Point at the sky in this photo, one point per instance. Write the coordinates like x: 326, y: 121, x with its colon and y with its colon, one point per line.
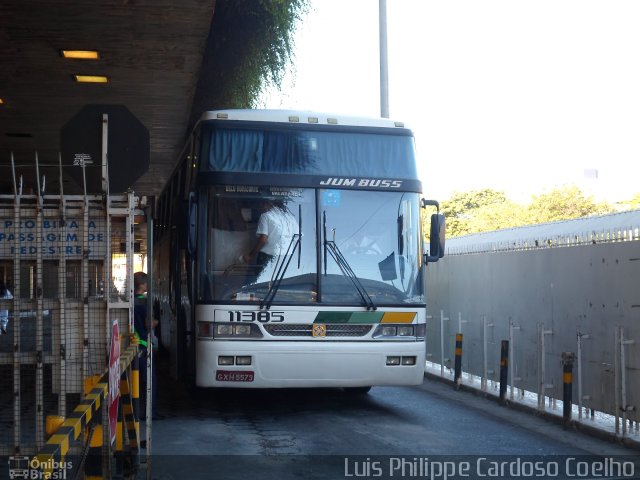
x: 520, y: 96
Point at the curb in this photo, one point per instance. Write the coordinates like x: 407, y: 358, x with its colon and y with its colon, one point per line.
x: 520, y: 407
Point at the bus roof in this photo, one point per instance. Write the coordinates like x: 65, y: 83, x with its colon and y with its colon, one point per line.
x: 300, y: 117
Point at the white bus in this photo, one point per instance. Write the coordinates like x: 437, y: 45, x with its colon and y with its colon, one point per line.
x: 338, y: 300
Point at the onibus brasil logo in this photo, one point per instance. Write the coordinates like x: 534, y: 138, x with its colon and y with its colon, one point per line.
x: 32, y: 468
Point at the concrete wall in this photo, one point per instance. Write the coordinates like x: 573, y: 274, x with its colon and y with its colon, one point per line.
x: 589, y: 290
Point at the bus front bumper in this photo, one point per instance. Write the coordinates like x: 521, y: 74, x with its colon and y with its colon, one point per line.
x: 278, y: 364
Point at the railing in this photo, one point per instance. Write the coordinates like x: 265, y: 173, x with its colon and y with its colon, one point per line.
x: 453, y: 354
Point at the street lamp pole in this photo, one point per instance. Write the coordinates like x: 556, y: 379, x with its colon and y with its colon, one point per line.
x: 384, y: 68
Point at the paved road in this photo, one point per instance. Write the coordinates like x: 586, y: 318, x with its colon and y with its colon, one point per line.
x: 323, y: 434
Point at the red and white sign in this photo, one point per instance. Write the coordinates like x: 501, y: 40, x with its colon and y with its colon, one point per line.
x: 114, y: 381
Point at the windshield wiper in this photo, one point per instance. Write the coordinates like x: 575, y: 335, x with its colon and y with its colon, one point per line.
x: 345, y: 268
x: 281, y: 267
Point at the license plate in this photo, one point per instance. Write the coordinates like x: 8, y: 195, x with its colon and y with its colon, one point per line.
x: 233, y: 376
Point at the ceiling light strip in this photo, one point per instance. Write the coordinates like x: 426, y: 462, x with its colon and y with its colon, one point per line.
x: 81, y: 54
x: 90, y: 78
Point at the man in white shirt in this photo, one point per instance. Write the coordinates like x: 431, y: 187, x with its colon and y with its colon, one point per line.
x: 276, y: 228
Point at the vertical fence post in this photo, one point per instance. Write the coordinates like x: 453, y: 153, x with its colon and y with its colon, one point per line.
x: 428, y: 354
x: 17, y: 295
x: 485, y: 349
x: 458, y: 361
x: 542, y: 385
x: 616, y: 375
x: 504, y: 367
x: 442, y: 320
x: 483, y: 381
x: 581, y: 336
x: 512, y: 370
x: 567, y: 383
x: 623, y: 380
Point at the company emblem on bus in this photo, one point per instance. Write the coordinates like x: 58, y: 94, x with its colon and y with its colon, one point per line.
x: 319, y: 330
x: 360, y: 182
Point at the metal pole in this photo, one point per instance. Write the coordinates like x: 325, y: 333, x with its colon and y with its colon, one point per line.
x: 542, y: 386
x: 567, y: 381
x: 504, y: 367
x: 458, y: 361
x: 62, y: 298
x: 150, y: 345
x: 105, y: 154
x: 40, y: 438
x: 540, y: 367
x: 384, y: 65
x: 442, y: 343
x: 512, y: 379
x: 485, y: 372
x: 616, y: 375
x: 17, y: 294
x: 579, y: 362
x: 623, y: 369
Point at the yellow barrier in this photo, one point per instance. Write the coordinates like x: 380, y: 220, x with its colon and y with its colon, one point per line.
x: 64, y: 431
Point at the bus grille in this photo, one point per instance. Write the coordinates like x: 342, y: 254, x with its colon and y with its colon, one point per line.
x: 333, y: 330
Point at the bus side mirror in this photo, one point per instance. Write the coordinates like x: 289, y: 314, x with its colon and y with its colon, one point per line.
x: 436, y: 233
x: 437, y: 238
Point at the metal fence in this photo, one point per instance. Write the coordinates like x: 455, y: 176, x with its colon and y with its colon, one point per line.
x: 583, y: 298
x: 62, y: 295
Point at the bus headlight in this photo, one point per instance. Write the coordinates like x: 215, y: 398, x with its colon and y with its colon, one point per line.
x: 389, y: 331
x: 399, y: 332
x: 405, y: 331
x: 231, y: 330
x: 242, y: 330
x: 224, y: 329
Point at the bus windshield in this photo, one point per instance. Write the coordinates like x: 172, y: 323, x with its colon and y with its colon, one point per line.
x: 332, y: 246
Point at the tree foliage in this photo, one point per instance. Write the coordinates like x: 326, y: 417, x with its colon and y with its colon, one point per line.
x: 487, y: 210
x: 463, y: 207
x: 634, y: 203
x: 564, y: 203
x: 249, y: 48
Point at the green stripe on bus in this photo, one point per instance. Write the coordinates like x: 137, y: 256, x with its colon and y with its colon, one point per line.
x: 332, y: 317
x: 366, y: 317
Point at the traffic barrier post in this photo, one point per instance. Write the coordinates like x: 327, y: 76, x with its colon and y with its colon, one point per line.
x: 457, y: 377
x: 504, y: 369
x: 567, y: 381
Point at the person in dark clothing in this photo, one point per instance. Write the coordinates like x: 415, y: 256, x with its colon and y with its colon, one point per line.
x: 142, y: 325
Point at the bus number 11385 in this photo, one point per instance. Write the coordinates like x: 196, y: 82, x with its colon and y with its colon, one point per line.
x: 263, y: 316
